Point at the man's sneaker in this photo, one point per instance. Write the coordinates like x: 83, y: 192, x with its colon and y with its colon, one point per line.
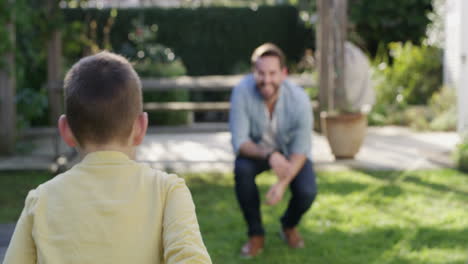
x: 253, y: 247
x: 292, y: 237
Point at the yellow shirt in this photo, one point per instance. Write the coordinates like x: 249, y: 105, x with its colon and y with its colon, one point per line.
x: 108, y: 209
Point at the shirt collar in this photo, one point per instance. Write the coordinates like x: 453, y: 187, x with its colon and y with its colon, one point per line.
x: 106, y: 157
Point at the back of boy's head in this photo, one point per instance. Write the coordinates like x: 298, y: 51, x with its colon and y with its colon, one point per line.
x: 103, y: 98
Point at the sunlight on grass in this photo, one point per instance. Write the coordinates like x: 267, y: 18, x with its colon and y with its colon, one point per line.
x: 358, y: 217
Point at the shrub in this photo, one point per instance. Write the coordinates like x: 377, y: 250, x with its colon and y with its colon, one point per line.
x: 443, y: 105
x: 410, y: 76
x: 152, y: 59
x: 461, y: 156
x: 32, y: 30
x: 149, y: 57
x: 31, y: 105
x: 389, y: 21
x: 439, y: 115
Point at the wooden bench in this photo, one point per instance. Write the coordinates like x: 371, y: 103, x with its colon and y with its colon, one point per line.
x: 204, y: 83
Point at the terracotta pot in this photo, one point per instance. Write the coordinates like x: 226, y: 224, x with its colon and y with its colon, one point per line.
x: 345, y: 133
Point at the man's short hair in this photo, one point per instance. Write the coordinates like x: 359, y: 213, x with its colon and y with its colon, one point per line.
x: 103, y: 98
x: 268, y: 49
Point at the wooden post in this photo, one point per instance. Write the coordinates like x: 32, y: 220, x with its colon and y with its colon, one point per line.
x: 331, y: 35
x: 54, y: 74
x: 340, y: 28
x: 7, y: 92
x: 324, y: 50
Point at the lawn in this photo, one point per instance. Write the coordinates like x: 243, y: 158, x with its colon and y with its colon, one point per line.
x: 14, y: 186
x: 358, y: 217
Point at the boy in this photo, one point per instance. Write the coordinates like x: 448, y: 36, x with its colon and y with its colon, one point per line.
x: 108, y: 208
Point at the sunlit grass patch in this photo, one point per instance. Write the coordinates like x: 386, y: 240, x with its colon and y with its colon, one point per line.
x: 358, y: 217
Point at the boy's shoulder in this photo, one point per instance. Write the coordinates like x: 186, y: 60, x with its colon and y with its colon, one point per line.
x: 41, y: 190
x: 160, y: 180
x: 164, y: 178
x: 51, y: 183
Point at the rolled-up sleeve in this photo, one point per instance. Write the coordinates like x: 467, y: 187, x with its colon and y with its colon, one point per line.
x: 22, y: 248
x: 301, y: 138
x: 181, y: 234
x: 238, y: 119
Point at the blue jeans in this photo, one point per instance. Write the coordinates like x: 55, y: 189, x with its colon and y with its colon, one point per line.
x: 303, y: 188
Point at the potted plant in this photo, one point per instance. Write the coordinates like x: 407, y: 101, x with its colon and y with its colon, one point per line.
x: 345, y: 133
x: 346, y: 94
x: 345, y: 126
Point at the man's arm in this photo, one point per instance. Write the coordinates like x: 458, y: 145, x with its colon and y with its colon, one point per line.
x: 286, y: 170
x: 295, y: 164
x: 299, y: 146
x: 252, y: 150
x: 238, y: 119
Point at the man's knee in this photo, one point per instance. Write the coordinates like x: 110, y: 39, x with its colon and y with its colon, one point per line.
x: 306, y: 193
x: 244, y: 171
x: 305, y: 185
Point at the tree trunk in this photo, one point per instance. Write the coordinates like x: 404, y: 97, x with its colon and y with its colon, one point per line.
x: 331, y: 35
x: 324, y: 50
x: 7, y: 93
x: 340, y: 28
x: 54, y: 74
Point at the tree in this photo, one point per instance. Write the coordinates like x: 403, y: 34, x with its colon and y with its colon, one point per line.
x: 7, y: 77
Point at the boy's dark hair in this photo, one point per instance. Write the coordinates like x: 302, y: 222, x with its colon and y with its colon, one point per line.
x: 102, y: 98
x: 268, y: 49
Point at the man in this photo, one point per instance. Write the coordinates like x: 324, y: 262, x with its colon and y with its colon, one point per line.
x: 271, y: 125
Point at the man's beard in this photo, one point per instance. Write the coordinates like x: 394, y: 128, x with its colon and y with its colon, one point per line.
x: 272, y: 87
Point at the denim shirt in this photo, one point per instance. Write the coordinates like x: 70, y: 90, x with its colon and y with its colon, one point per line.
x: 248, y: 120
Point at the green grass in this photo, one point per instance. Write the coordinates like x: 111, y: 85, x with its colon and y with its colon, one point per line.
x: 358, y: 217
x: 14, y: 186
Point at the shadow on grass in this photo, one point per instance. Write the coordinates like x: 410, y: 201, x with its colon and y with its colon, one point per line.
x: 390, y: 191
x: 416, y: 178
x: 435, y: 186
x: 435, y: 237
x: 342, y: 187
x: 383, y: 175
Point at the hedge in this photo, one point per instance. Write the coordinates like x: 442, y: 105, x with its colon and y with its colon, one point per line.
x: 211, y: 40
x: 383, y: 22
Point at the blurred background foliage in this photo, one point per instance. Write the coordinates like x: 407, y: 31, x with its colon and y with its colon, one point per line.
x: 32, y: 31
x: 217, y: 37
x: 408, y: 84
x: 209, y: 40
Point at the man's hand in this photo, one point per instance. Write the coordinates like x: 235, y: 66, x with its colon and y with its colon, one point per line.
x: 279, y: 164
x: 275, y: 194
